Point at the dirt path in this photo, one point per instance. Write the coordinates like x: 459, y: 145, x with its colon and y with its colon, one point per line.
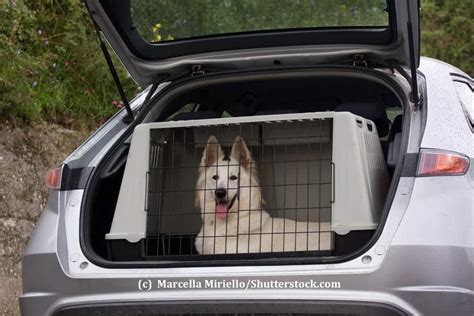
x: 25, y: 155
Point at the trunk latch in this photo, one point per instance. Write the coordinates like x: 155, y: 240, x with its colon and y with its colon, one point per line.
x: 359, y: 60
x: 197, y: 70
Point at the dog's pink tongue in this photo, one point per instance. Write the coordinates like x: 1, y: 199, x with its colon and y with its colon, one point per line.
x: 221, y: 210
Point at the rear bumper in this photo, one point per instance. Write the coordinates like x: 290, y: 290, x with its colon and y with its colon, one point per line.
x: 412, y: 280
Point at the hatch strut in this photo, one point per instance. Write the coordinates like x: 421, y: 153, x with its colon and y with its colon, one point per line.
x: 411, y: 47
x: 129, y: 118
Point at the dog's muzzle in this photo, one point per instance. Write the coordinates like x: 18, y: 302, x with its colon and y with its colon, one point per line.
x: 223, y: 205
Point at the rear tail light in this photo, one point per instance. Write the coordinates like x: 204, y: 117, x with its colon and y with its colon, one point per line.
x: 53, y: 178
x: 434, y: 162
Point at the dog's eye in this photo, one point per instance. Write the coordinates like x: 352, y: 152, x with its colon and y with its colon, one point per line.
x: 216, y: 177
x: 233, y: 177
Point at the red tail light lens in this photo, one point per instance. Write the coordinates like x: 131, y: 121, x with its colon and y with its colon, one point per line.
x: 53, y: 178
x: 441, y: 163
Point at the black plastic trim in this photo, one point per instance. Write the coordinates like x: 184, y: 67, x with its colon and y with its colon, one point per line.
x: 100, y: 261
x: 410, y: 163
x: 118, y: 11
x: 459, y: 76
x: 217, y: 307
x: 75, y: 178
x: 469, y: 82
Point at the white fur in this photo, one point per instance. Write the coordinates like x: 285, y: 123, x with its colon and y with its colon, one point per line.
x: 248, y: 228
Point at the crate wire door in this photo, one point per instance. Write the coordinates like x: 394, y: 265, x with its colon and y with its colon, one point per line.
x: 294, y: 163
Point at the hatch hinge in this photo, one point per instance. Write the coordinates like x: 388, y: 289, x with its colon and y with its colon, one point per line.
x: 197, y: 70
x: 359, y: 60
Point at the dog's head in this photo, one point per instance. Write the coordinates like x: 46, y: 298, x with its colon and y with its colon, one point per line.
x: 224, y: 179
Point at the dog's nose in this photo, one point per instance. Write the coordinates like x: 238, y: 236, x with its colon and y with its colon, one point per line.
x: 220, y: 193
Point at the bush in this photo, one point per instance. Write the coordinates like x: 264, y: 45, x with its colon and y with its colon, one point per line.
x: 446, y: 32
x: 50, y: 64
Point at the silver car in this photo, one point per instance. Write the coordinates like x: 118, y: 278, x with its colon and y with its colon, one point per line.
x: 207, y: 60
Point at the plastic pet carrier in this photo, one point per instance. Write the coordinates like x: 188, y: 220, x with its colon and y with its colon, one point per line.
x: 304, y: 178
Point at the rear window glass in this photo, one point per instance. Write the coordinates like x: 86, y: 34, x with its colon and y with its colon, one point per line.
x: 167, y: 20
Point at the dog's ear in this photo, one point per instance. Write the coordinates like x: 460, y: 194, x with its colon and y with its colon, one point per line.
x: 240, y: 152
x: 213, y: 152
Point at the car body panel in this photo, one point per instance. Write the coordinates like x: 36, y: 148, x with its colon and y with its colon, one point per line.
x: 445, y: 110
x: 131, y: 48
x: 421, y: 263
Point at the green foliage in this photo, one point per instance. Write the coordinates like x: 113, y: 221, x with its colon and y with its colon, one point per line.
x: 184, y: 18
x: 447, y: 32
x: 50, y: 64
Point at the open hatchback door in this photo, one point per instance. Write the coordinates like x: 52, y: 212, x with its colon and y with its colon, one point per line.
x: 162, y: 40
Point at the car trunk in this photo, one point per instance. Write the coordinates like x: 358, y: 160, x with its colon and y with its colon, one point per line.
x: 296, y: 156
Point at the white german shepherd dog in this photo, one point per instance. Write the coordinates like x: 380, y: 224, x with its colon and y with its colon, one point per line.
x: 230, y: 199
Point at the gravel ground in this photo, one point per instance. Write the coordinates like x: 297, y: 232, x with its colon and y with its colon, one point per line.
x: 25, y: 155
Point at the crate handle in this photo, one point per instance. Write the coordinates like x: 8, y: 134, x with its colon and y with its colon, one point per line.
x: 333, y: 182
x: 146, y: 190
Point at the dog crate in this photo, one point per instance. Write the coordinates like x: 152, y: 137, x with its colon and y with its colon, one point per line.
x: 319, y: 174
